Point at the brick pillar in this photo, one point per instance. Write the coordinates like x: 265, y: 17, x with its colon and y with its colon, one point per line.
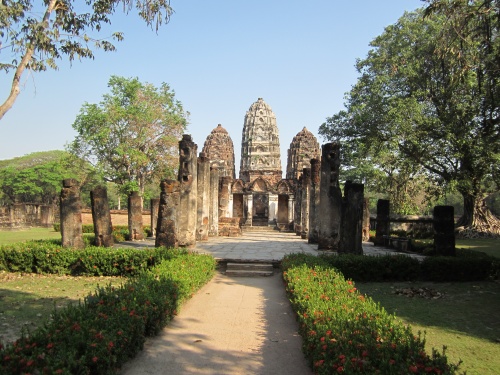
x: 101, y: 217
x: 188, y: 178
x: 167, y: 224
x: 155, y: 206
x: 71, y: 215
x: 202, y: 215
x: 444, y: 230
x: 330, y: 198
x: 213, y: 217
x: 304, y: 206
x: 351, y: 232
x: 383, y: 224
x: 314, y: 201
x: 135, y: 226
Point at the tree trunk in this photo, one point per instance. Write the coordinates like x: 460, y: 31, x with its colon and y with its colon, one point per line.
x: 477, y: 220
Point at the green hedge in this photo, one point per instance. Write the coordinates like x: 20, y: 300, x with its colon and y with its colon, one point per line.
x: 120, y: 232
x: 48, y: 256
x: 346, y: 332
x: 110, y: 326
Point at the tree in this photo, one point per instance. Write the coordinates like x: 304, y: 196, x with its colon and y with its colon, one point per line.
x: 432, y: 103
x: 132, y: 135
x: 39, y: 35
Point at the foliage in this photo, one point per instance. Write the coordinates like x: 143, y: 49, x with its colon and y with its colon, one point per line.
x: 110, y: 326
x: 346, y: 332
x: 132, y: 135
x: 426, y: 98
x: 39, y: 35
x: 37, y: 177
x: 48, y: 256
x: 120, y: 232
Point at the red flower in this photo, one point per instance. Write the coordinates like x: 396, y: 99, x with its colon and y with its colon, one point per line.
x: 340, y: 369
x: 392, y: 361
x: 95, y: 359
x: 30, y: 362
x: 119, y: 333
x: 50, y: 345
x: 76, y: 327
x: 413, y: 369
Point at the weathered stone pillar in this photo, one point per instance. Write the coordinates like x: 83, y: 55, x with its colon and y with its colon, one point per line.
x: 304, y: 211
x: 135, y: 226
x: 155, y: 206
x: 202, y: 215
x: 444, y: 230
x: 249, y: 208
x: 351, y: 232
x: 224, y: 194
x: 46, y: 215
x: 189, y: 190
x: 314, y: 201
x: 366, y: 219
x: 213, y: 217
x: 291, y: 211
x: 273, y: 208
x: 101, y: 217
x: 330, y: 198
x: 383, y: 224
x: 168, y: 212
x: 297, y: 212
x: 71, y: 215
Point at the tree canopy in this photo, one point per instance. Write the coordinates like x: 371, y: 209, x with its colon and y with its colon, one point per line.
x: 428, y: 95
x: 40, y: 33
x: 132, y: 135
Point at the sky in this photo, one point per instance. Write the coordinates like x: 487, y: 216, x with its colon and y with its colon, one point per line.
x: 219, y: 57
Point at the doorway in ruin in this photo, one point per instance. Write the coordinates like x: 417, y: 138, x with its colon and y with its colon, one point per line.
x: 238, y: 208
x: 260, y: 214
x: 282, y: 219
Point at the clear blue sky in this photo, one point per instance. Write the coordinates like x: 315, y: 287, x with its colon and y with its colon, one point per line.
x: 219, y: 56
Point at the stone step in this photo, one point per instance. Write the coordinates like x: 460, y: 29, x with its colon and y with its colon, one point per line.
x: 250, y: 266
x: 249, y: 269
x: 266, y: 228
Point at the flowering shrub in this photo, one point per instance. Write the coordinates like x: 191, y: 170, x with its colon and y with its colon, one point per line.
x: 108, y: 327
x: 346, y: 332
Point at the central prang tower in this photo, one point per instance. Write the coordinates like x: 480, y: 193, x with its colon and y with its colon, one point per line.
x: 260, y: 145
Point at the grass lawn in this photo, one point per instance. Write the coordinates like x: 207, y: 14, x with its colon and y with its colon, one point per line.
x: 489, y: 246
x: 465, y: 319
x: 27, y: 300
x: 13, y: 236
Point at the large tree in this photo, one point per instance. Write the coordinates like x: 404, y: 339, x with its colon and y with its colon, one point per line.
x: 132, y: 135
x: 39, y: 33
x: 430, y: 97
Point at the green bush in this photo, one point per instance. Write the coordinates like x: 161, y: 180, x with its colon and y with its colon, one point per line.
x: 346, y: 332
x: 120, y: 232
x: 110, y: 326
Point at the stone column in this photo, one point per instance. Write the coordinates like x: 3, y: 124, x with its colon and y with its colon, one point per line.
x: 224, y: 194
x: 297, y: 212
x: 291, y: 211
x: 444, y: 230
x: 304, y: 212
x: 71, y: 215
x: 273, y: 208
x: 383, y: 224
x: 366, y: 219
x: 249, y: 209
x: 330, y: 198
x: 47, y: 215
x: 314, y: 201
x: 351, y: 232
x: 101, y: 217
x: 168, y: 212
x: 213, y: 218
x: 135, y: 226
x: 155, y: 206
x: 203, y: 198
x: 188, y: 163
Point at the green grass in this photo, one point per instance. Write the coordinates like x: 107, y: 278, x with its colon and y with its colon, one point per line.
x: 489, y: 246
x: 27, y: 300
x: 13, y: 236
x: 465, y: 320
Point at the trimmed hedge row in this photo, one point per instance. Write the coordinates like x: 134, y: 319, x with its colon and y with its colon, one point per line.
x: 110, y: 326
x: 120, y: 232
x: 346, y: 332
x: 48, y: 256
x: 466, y: 266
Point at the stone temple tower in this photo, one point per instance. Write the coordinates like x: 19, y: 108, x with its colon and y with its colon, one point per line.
x: 303, y: 148
x: 260, y: 145
x: 219, y: 149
